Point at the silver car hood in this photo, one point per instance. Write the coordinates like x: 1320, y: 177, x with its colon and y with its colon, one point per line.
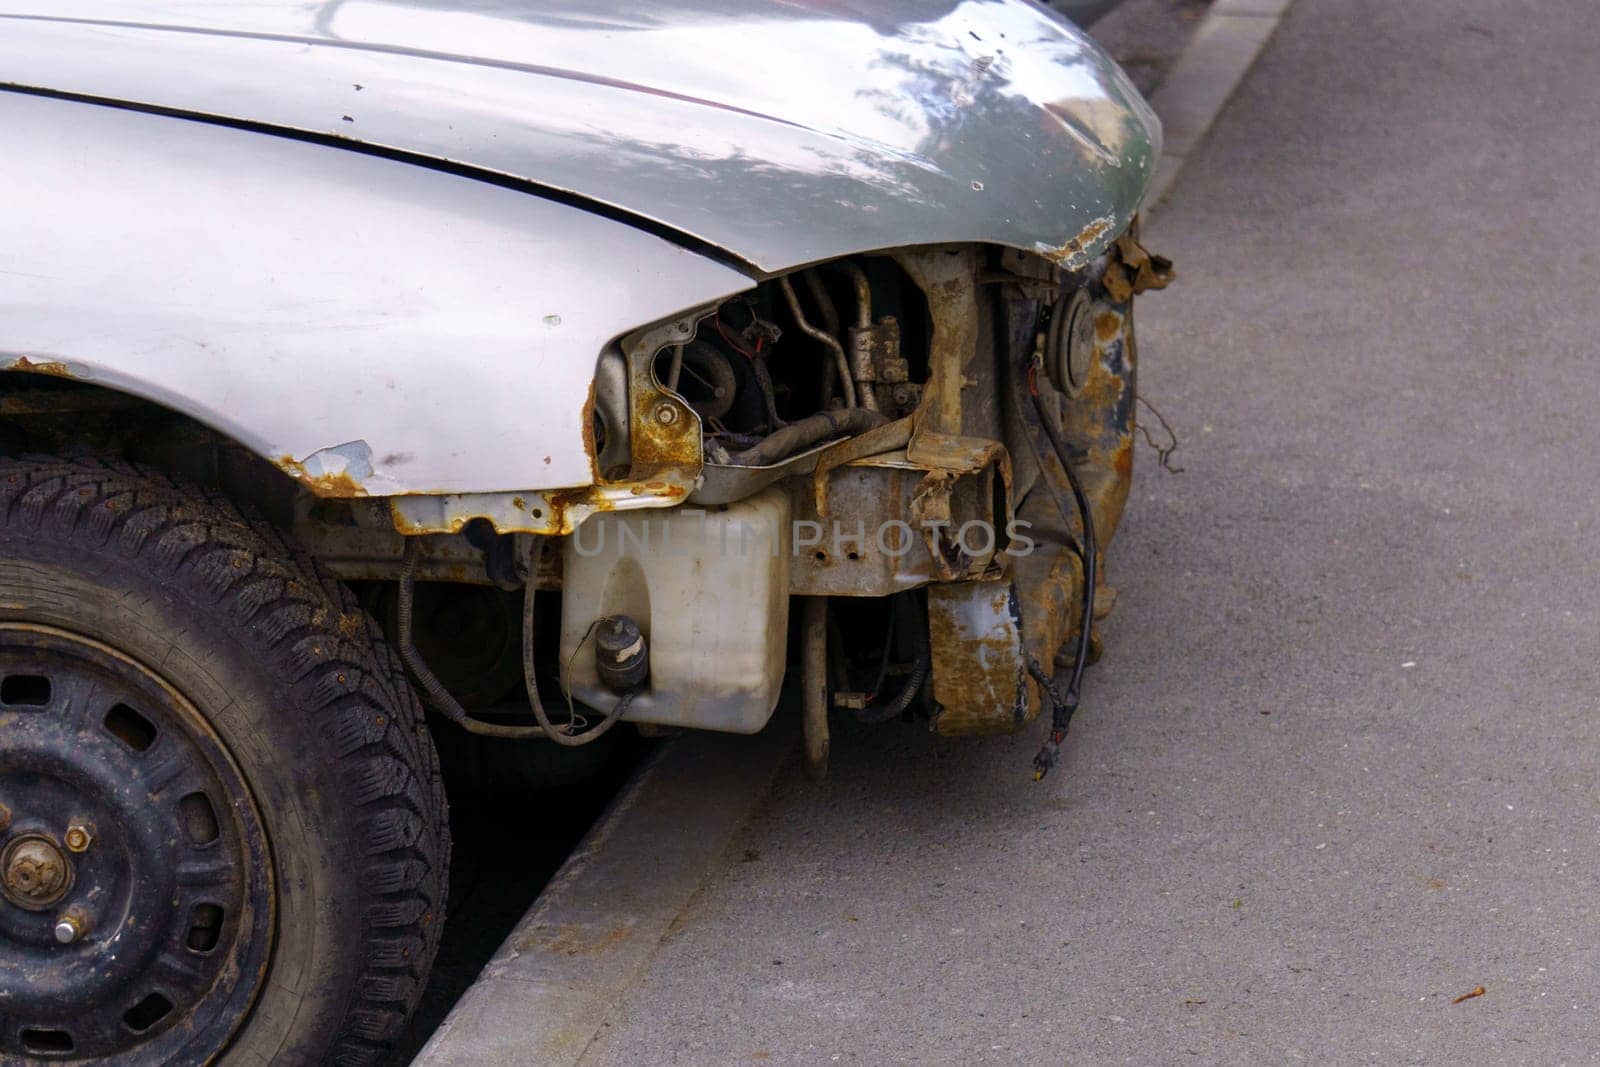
x: 782, y: 132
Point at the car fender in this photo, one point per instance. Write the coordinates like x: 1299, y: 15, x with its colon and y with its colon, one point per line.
x: 371, y: 326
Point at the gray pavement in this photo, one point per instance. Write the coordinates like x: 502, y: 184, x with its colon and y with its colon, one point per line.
x: 1338, y: 764
x: 1146, y: 37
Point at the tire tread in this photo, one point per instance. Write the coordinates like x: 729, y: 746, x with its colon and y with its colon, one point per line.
x: 333, y: 661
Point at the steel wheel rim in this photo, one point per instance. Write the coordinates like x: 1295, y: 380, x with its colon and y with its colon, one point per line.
x: 157, y: 940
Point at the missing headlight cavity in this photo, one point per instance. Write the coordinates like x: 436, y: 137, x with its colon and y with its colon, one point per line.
x: 827, y: 351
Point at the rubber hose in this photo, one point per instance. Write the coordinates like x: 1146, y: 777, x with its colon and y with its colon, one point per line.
x: 802, y: 433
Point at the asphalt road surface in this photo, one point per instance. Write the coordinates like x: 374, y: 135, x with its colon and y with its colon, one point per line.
x: 1337, y: 766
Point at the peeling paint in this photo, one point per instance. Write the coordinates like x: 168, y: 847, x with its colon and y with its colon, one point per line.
x: 340, y: 471
x: 591, y: 449
x: 1080, y: 250
x: 54, y: 368
x: 975, y: 630
x: 1132, y: 269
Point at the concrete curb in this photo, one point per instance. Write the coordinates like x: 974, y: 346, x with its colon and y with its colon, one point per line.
x: 1200, y: 83
x: 599, y: 923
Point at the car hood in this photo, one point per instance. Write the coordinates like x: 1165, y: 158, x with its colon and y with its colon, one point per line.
x: 782, y: 132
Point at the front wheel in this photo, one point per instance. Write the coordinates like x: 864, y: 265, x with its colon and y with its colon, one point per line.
x: 222, y: 831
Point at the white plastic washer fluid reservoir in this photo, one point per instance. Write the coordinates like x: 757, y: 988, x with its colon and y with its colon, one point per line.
x: 709, y: 589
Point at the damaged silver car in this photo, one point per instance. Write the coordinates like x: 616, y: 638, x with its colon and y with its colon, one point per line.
x: 552, y: 365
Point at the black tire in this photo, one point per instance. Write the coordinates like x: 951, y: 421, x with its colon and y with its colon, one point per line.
x: 104, y: 564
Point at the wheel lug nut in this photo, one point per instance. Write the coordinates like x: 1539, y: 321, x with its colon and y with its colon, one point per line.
x: 69, y: 927
x: 78, y: 837
x: 33, y: 872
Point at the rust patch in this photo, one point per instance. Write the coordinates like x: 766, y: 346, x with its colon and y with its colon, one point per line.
x: 663, y: 443
x: 978, y: 672
x: 569, y: 507
x: 1077, y: 251
x: 340, y: 485
x: 590, y: 449
x: 1134, y: 269
x: 960, y: 455
x: 50, y: 367
x: 664, y: 432
x: 948, y: 279
x: 930, y: 511
x: 405, y: 527
x: 1122, y: 461
x: 562, y: 502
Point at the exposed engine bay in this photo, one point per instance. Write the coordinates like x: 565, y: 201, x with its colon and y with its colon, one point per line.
x: 944, y: 437
x: 856, y: 365
x: 869, y: 475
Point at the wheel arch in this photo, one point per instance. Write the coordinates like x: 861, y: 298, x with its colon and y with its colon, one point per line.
x: 48, y: 410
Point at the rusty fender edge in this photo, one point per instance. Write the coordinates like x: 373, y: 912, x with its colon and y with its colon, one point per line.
x: 667, y: 458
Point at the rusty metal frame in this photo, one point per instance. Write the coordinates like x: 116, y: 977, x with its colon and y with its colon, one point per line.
x: 983, y: 632
x: 871, y: 497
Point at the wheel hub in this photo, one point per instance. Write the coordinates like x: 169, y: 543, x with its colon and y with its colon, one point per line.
x: 136, y: 901
x: 33, y: 872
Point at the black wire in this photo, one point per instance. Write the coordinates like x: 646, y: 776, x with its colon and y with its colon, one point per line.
x: 1065, y: 703
x: 565, y: 737
x: 448, y: 706
x: 876, y: 713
